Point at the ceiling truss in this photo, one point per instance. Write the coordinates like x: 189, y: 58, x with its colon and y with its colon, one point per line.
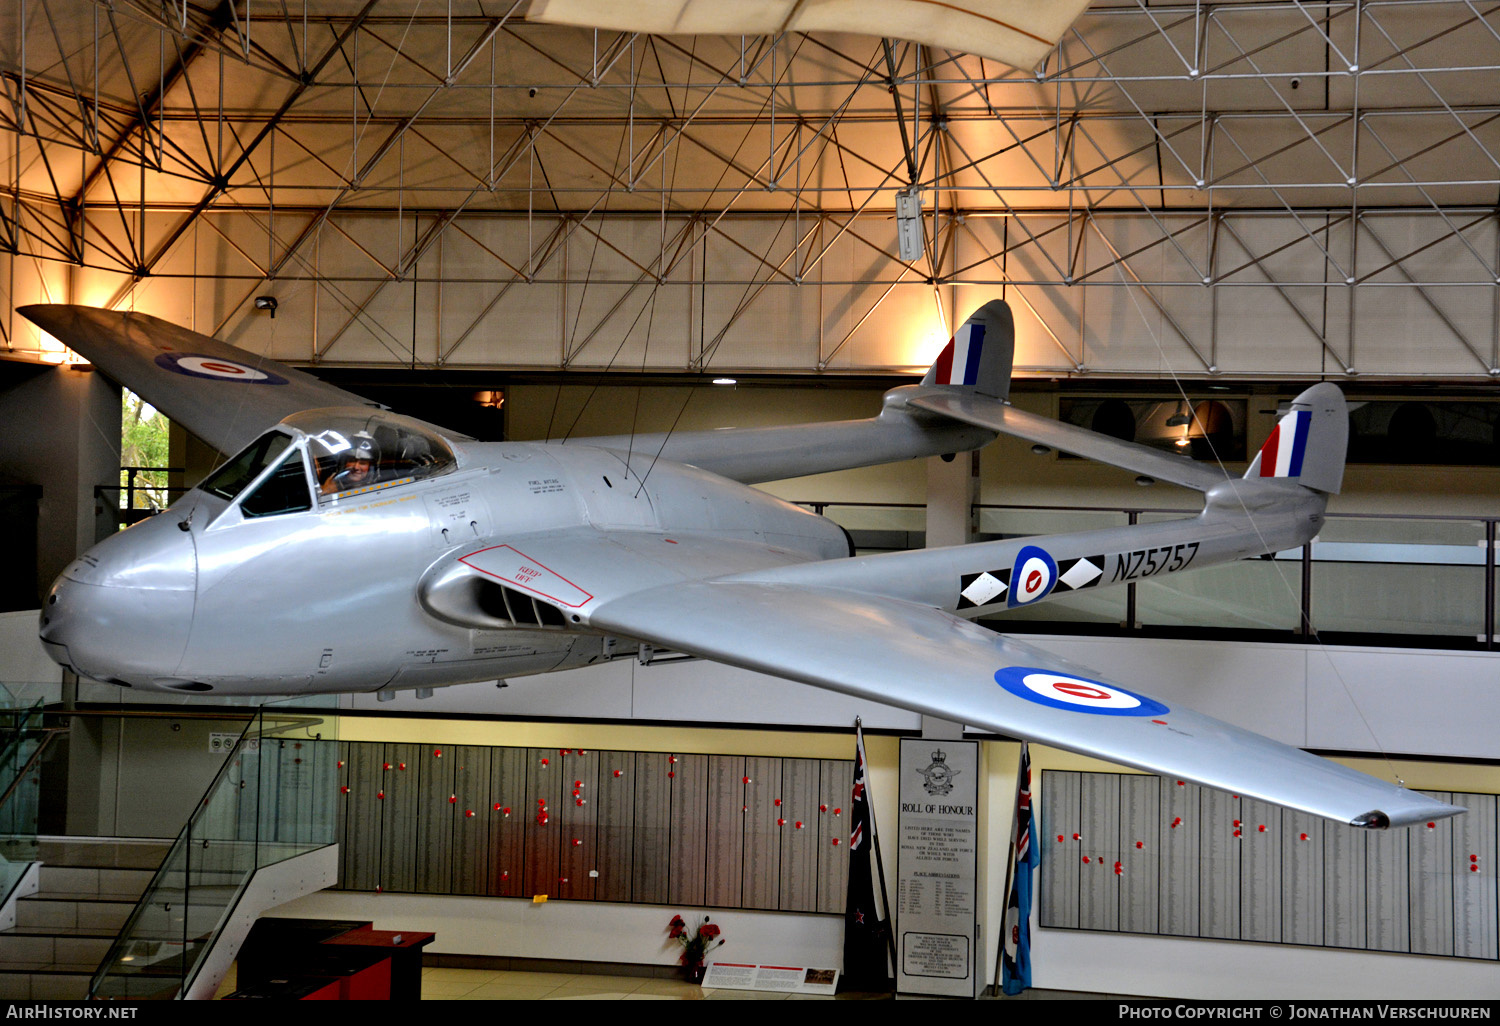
x: 1324, y: 158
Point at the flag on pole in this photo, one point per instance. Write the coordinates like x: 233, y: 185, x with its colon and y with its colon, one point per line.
x: 865, y: 962
x: 1015, y: 963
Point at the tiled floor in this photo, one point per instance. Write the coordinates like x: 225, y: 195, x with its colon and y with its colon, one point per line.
x: 496, y: 985
x: 502, y: 985
x: 492, y: 985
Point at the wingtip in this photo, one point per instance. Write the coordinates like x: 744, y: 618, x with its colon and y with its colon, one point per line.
x: 1417, y: 814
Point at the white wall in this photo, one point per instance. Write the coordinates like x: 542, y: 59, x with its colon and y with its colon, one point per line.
x: 579, y: 930
x: 1223, y: 970
x: 1376, y: 700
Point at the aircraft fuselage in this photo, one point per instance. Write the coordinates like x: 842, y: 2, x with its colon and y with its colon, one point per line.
x: 203, y: 597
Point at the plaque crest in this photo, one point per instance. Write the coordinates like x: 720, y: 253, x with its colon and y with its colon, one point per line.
x: 937, y: 776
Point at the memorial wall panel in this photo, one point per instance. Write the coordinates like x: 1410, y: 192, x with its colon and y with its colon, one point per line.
x: 544, y: 794
x: 400, y: 797
x: 1099, y: 846
x: 725, y: 837
x: 1260, y: 871
x: 833, y: 834
x: 341, y: 825
x: 362, y: 833
x: 688, y: 830
x: 507, y: 821
x: 1182, y: 884
x: 1219, y: 870
x: 616, y: 826
x: 1139, y: 870
x: 1239, y: 868
x: 470, y: 799
x: 1387, y: 871
x: 653, y: 821
x: 434, y: 820
x: 801, y: 780
x: 578, y: 822
x: 290, y: 789
x: 1302, y: 861
x: 651, y: 827
x: 1431, y: 884
x: 762, y: 856
x: 1344, y: 875
x: 1475, y: 908
x: 1061, y: 852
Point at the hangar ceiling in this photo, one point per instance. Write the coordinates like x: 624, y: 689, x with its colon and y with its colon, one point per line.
x: 1242, y: 189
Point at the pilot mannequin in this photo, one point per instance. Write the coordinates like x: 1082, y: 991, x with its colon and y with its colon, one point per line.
x: 356, y: 467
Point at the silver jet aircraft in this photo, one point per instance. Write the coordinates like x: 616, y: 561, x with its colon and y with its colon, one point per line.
x: 347, y: 548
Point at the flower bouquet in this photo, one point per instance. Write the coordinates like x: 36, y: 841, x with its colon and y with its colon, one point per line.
x: 704, y: 938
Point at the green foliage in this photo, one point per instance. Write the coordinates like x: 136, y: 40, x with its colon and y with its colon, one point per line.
x: 143, y: 443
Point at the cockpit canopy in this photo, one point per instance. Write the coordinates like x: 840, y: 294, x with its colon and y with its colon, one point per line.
x: 393, y: 448
x: 349, y: 451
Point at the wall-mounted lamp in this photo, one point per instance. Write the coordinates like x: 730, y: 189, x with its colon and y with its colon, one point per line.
x: 266, y: 303
x: 909, y: 223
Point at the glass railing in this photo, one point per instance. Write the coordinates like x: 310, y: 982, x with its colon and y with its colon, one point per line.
x: 1401, y: 580
x: 274, y: 798
x: 23, y: 740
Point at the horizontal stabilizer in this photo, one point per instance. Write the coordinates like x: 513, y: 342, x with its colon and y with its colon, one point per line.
x: 997, y: 416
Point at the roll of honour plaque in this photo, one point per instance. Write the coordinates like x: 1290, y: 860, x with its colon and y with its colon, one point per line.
x: 937, y: 867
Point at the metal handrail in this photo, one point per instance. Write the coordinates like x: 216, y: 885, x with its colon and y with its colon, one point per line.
x: 49, y: 734
x: 1488, y: 637
x: 256, y: 728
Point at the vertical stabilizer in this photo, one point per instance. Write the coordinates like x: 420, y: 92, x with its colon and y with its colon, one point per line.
x: 978, y: 357
x: 1309, y: 442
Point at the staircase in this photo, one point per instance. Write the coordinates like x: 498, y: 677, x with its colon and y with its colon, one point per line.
x: 64, y: 930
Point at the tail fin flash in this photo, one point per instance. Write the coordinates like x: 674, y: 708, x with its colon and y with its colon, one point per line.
x: 1309, y: 443
x: 978, y: 357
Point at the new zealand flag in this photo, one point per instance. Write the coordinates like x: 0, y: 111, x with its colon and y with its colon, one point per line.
x: 865, y: 962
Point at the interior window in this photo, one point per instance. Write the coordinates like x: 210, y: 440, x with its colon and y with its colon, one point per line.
x: 284, y: 491
x: 233, y: 477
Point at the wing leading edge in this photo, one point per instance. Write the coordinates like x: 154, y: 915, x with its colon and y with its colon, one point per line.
x: 224, y: 395
x: 920, y: 658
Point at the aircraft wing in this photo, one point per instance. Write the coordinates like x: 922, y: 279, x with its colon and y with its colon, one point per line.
x: 224, y: 395
x: 904, y: 654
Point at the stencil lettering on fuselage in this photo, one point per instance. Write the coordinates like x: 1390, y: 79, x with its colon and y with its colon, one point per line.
x: 1140, y: 563
x: 515, y: 568
x: 457, y: 518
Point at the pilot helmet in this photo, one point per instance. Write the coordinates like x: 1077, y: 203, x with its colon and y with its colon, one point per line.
x: 361, y: 447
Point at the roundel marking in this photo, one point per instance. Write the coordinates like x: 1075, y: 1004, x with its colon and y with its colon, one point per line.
x: 1079, y: 690
x: 1033, y: 577
x: 217, y: 369
x: 1075, y: 694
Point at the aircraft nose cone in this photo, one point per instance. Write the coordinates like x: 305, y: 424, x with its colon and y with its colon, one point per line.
x: 121, y: 612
